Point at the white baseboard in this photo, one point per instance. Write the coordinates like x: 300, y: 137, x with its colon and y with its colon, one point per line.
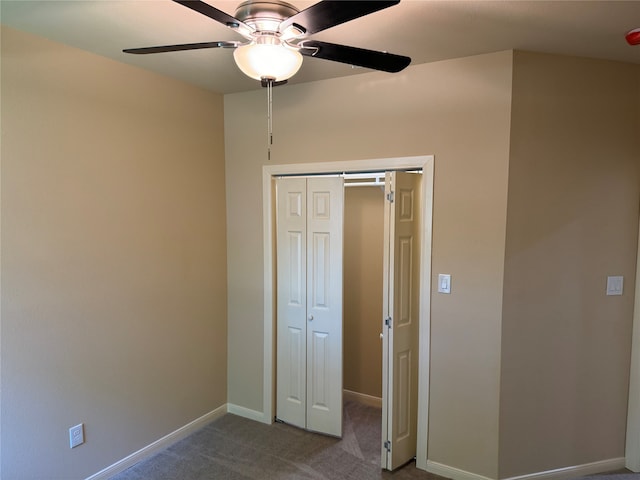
x: 362, y: 398
x: 575, y: 471
x: 452, y: 472
x: 159, y: 445
x: 557, y: 474
x: 248, y: 413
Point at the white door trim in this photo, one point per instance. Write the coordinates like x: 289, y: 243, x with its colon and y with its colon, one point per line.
x: 426, y: 163
x: 632, y: 451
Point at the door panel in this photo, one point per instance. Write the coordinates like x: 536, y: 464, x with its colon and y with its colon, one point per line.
x: 320, y: 370
x: 309, y: 297
x: 401, y: 303
x: 291, y: 301
x: 324, y: 311
x: 297, y: 360
x: 320, y: 271
x: 296, y: 268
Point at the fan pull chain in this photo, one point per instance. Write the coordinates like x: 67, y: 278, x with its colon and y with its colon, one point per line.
x: 269, y: 82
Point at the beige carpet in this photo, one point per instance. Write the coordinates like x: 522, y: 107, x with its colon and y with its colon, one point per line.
x: 234, y: 448
x: 621, y: 475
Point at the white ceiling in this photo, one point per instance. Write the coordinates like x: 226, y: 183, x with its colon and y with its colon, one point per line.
x: 425, y: 30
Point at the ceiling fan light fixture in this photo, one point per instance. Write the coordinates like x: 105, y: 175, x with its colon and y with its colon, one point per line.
x: 267, y: 56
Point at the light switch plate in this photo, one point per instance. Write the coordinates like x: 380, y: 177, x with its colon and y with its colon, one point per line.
x: 76, y: 435
x: 444, y: 283
x: 615, y: 285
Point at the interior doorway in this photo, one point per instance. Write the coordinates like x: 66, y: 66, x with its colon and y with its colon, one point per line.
x: 310, y: 240
x: 425, y: 164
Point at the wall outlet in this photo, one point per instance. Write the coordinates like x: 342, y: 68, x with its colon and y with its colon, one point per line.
x: 76, y: 435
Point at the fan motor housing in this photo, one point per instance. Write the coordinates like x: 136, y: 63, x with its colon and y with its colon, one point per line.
x: 265, y: 16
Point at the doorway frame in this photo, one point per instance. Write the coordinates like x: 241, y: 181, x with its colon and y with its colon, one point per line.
x: 426, y: 164
x: 632, y: 446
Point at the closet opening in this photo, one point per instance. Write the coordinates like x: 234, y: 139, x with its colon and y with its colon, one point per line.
x: 363, y: 288
x: 347, y: 314
x: 363, y: 316
x: 363, y: 202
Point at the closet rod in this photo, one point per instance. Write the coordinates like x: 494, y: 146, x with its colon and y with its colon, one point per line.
x: 368, y: 179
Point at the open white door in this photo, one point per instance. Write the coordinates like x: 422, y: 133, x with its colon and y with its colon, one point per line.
x: 401, y: 313
x: 309, y: 296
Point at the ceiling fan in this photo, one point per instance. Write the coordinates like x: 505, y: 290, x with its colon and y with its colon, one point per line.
x: 277, y: 34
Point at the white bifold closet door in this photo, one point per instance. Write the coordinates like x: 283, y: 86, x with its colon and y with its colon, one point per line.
x: 400, y: 311
x: 309, y: 302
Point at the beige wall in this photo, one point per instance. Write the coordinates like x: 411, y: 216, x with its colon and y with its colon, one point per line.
x: 113, y: 258
x: 458, y: 110
x: 363, y: 252
x: 113, y: 248
x: 572, y: 220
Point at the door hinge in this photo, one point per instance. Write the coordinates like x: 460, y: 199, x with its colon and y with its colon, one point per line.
x: 387, y: 445
x: 387, y: 322
x: 390, y: 197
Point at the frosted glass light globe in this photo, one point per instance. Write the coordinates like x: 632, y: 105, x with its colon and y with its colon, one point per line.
x: 268, y: 58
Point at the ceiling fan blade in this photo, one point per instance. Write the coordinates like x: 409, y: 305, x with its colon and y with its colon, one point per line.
x: 329, y: 13
x: 217, y: 15
x: 386, y: 62
x: 183, y: 46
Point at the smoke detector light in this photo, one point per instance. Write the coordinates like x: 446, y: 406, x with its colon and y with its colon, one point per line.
x: 633, y: 37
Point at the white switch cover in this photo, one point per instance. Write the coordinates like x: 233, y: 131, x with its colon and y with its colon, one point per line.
x: 615, y: 285
x: 444, y: 283
x: 76, y: 435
